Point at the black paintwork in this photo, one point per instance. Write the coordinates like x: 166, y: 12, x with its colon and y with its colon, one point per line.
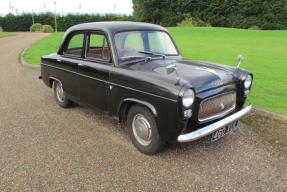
x: 113, y: 87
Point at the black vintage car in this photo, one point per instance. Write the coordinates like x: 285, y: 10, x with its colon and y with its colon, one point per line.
x: 135, y: 72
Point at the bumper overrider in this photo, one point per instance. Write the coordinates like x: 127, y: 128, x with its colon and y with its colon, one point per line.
x: 205, y: 131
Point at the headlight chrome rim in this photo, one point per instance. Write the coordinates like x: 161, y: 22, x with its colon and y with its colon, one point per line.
x: 248, y: 82
x: 188, y: 98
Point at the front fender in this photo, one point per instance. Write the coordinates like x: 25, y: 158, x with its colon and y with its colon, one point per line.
x: 144, y: 103
x: 165, y: 113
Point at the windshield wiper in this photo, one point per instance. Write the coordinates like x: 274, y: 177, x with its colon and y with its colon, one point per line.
x: 153, y: 53
x: 127, y: 58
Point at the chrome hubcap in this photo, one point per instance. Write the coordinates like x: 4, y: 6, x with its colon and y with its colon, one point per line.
x: 60, y: 92
x: 141, y: 129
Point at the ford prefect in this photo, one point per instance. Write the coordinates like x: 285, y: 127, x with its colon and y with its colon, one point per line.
x: 134, y: 72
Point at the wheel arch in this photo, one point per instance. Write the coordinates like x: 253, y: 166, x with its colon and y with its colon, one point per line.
x: 52, y: 79
x: 127, y: 103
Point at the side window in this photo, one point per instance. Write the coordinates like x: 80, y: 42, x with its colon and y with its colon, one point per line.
x: 98, y: 47
x: 75, y: 45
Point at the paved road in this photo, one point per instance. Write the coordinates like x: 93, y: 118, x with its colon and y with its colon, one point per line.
x: 46, y: 148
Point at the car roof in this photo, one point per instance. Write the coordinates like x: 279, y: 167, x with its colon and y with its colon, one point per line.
x: 115, y: 26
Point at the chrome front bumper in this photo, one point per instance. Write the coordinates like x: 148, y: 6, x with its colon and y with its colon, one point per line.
x: 202, y: 132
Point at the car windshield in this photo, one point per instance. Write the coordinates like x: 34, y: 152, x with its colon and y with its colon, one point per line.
x: 140, y: 44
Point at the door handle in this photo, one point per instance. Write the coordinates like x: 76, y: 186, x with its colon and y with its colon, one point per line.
x: 80, y: 64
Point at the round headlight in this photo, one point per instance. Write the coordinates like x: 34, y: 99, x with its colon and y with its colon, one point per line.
x: 188, y: 98
x: 248, y: 82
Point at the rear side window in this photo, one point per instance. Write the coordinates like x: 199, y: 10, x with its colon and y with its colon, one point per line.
x: 98, y: 48
x: 75, y: 45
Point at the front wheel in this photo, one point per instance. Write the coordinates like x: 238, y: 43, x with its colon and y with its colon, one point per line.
x: 60, y: 95
x: 143, y: 130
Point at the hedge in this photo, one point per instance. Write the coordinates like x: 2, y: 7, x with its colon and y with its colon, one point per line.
x: 23, y: 22
x: 266, y: 14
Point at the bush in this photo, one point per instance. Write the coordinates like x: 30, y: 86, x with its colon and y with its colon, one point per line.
x: 197, y: 22
x: 48, y: 29
x: 272, y: 26
x: 254, y: 27
x: 36, y: 27
x: 186, y: 22
x: 189, y: 21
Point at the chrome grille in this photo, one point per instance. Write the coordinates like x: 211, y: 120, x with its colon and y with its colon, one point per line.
x: 218, y: 106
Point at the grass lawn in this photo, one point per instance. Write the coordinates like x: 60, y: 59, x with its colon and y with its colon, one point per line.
x: 4, y: 34
x: 47, y: 45
x: 265, y: 53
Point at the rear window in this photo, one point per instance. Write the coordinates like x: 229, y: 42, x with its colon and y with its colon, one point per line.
x: 75, y: 45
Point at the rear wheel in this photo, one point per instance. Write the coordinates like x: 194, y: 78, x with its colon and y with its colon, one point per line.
x: 60, y: 95
x: 143, y: 130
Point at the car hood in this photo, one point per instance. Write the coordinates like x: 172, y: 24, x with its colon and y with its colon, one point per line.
x: 199, y: 74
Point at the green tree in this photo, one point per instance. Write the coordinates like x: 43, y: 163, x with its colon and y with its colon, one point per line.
x: 266, y: 14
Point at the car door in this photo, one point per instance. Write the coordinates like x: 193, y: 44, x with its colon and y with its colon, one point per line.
x: 95, y: 71
x: 68, y: 60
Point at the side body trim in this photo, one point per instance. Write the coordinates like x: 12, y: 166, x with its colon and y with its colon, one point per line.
x: 110, y: 83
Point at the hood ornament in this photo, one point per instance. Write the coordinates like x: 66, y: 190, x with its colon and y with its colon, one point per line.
x: 240, y: 60
x: 170, y: 69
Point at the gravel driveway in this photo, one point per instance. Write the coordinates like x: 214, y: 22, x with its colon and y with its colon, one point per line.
x: 46, y: 148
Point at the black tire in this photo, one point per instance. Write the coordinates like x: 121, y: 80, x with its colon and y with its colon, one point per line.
x: 155, y: 143
x: 64, y: 101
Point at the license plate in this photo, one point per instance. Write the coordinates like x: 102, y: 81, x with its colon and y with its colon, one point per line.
x: 223, y: 131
